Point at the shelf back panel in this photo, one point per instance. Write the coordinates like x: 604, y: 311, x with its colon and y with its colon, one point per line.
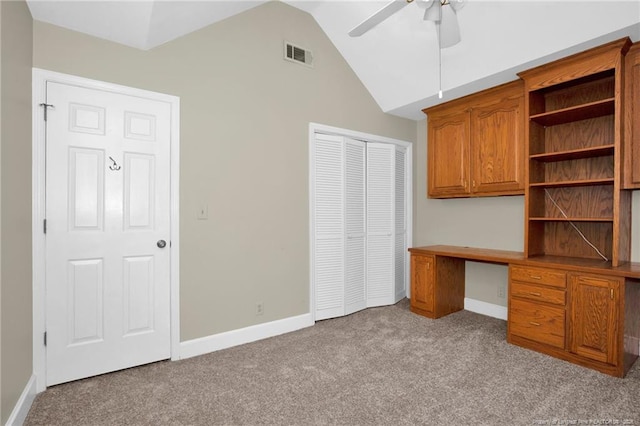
x: 581, y: 202
x: 579, y: 134
x: 561, y: 239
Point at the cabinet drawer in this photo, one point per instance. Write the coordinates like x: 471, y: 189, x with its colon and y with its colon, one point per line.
x: 539, y: 276
x: 544, y: 324
x: 537, y: 293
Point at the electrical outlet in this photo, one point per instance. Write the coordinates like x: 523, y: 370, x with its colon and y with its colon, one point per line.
x: 259, y: 308
x: 502, y: 292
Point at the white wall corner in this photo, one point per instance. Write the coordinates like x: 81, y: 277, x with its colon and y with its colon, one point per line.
x: 22, y: 407
x: 484, y: 308
x: 228, y: 339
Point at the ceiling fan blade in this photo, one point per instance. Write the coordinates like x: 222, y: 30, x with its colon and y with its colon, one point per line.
x: 456, y: 5
x: 433, y: 13
x: 378, y: 17
x: 449, y: 29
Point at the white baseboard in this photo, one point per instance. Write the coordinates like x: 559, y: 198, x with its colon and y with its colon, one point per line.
x: 20, y: 411
x: 216, y: 342
x: 484, y: 308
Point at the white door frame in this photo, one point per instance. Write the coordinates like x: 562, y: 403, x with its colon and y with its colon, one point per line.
x: 365, y: 137
x: 39, y: 79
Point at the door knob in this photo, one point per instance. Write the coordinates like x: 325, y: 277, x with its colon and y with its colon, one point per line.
x: 162, y: 243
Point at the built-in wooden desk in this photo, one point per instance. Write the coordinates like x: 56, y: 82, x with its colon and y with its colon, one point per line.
x: 581, y: 310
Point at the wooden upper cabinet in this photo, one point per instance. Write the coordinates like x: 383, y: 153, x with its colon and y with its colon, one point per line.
x: 631, y: 178
x: 448, y: 157
x: 595, y: 317
x: 475, y: 145
x: 497, y: 143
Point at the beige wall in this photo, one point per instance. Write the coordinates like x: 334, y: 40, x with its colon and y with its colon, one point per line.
x: 15, y: 202
x: 490, y: 222
x: 244, y: 150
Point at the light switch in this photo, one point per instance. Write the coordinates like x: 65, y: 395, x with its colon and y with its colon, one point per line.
x: 203, y: 212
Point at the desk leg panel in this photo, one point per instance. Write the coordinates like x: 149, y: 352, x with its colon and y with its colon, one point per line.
x: 449, y: 286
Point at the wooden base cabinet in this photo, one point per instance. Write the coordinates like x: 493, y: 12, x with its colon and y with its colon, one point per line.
x: 422, y: 284
x: 595, y: 317
x: 437, y: 285
x: 584, y: 324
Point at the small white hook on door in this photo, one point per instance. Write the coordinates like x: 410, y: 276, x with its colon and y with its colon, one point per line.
x: 114, y: 166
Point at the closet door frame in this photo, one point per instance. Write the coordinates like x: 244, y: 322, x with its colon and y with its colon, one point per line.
x: 315, y: 128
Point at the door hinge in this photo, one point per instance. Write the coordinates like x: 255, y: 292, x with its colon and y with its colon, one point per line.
x: 45, y: 106
x: 44, y: 226
x: 45, y: 338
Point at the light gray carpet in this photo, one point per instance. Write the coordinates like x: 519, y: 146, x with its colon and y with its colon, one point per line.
x: 381, y: 366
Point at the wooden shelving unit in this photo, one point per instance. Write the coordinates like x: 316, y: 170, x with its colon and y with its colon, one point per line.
x: 575, y: 206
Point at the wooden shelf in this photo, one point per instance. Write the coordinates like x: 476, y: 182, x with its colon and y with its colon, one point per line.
x: 572, y: 219
x: 586, y: 182
x: 576, y: 113
x: 574, y: 154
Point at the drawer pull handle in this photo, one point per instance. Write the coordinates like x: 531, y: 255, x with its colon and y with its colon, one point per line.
x: 536, y: 277
x: 533, y: 293
x: 537, y: 324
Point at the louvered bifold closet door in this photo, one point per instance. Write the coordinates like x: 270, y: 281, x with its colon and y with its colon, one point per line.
x: 328, y: 209
x: 400, y: 234
x: 380, y: 224
x: 355, y: 284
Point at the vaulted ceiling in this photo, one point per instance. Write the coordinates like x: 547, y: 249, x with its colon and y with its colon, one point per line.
x: 398, y: 60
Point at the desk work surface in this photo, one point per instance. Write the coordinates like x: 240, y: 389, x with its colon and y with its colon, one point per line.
x: 628, y: 270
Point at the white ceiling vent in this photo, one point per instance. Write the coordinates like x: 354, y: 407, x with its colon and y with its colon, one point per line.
x: 297, y: 54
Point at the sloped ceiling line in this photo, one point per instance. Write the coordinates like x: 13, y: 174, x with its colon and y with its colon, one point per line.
x: 397, y: 60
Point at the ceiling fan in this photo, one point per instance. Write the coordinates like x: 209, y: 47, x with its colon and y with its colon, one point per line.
x: 442, y: 12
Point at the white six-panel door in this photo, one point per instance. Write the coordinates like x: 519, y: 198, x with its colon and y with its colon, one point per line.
x: 108, y: 209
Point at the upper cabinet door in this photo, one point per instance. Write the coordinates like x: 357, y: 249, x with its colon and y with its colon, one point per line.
x: 497, y: 146
x: 448, y: 155
x: 631, y: 178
